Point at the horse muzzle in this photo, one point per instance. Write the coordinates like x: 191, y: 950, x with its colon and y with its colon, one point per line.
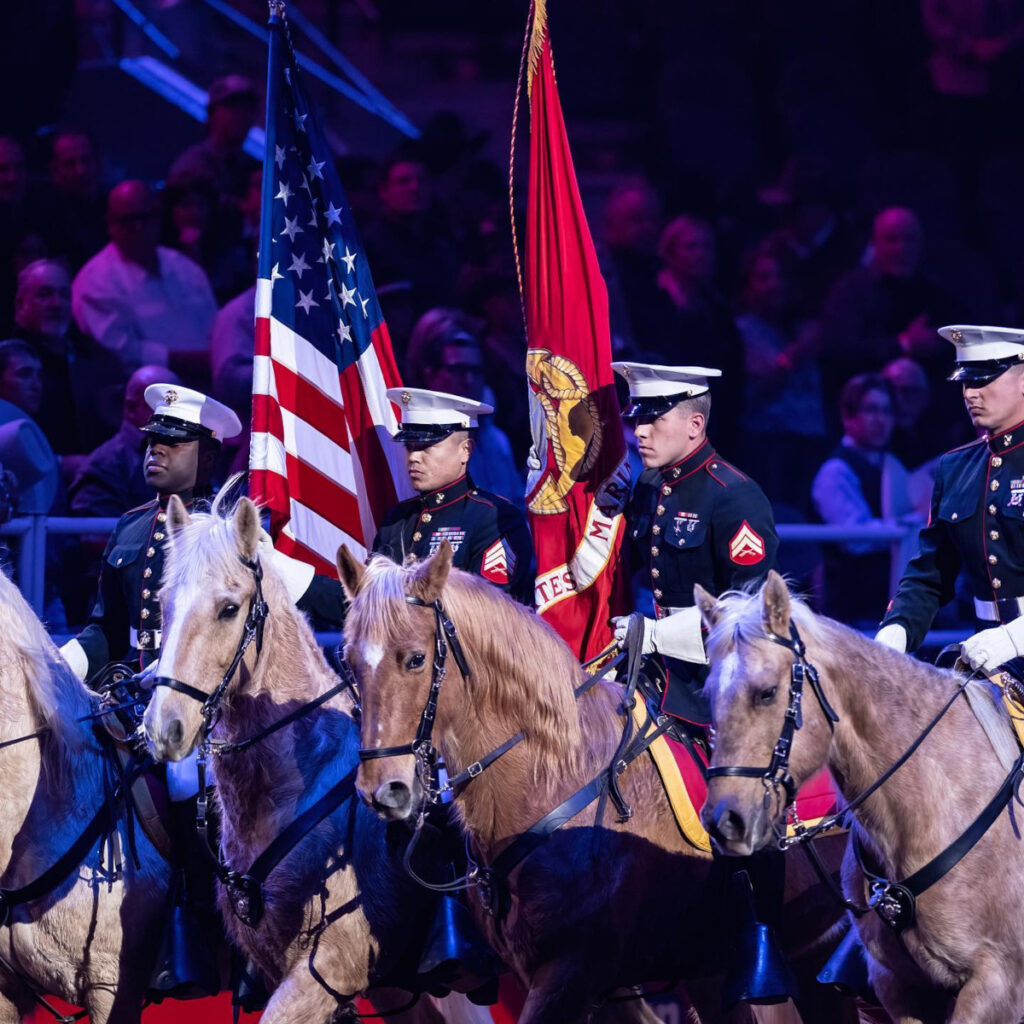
x: 732, y: 830
x: 395, y: 799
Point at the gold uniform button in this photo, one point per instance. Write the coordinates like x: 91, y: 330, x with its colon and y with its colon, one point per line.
x: 158, y: 536
x: 161, y: 517
x: 953, y: 516
x: 666, y: 489
x: 655, y: 530
x: 992, y: 559
x: 660, y: 510
x: 145, y: 593
x: 992, y: 510
x: 144, y: 613
x: 147, y: 573
x: 714, y: 465
x: 426, y: 517
x: 657, y: 594
x: 654, y: 552
x: 996, y: 461
x: 417, y: 535
x: 994, y: 486
x: 150, y: 552
x: 655, y: 573
x: 120, y: 560
x: 993, y: 535
x: 996, y: 584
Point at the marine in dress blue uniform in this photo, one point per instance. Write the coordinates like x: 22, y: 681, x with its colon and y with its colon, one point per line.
x: 693, y: 518
x: 976, y: 523
x: 489, y: 535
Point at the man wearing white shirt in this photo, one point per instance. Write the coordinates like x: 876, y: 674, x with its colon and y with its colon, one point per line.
x: 142, y: 301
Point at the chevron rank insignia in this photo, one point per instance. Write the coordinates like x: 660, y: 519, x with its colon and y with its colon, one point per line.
x: 747, y: 546
x: 498, y: 563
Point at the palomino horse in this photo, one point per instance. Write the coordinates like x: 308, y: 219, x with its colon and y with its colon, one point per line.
x: 599, y: 905
x: 91, y: 939
x: 962, y: 957
x: 337, y: 910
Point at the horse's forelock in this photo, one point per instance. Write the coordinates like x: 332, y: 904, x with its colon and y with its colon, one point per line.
x: 204, y: 547
x: 380, y: 614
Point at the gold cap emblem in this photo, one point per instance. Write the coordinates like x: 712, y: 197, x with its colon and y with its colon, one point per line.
x: 170, y: 397
x: 956, y: 335
x: 406, y: 398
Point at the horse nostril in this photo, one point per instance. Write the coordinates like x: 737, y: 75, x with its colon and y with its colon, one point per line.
x: 175, y: 733
x: 392, y: 798
x: 728, y: 824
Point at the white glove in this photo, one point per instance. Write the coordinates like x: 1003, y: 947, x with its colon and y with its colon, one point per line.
x: 297, y: 575
x: 74, y: 654
x: 621, y: 626
x: 677, y: 636
x: 987, y: 650
x: 894, y: 636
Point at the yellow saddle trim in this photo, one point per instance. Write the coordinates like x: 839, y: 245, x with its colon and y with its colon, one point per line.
x: 1013, y: 706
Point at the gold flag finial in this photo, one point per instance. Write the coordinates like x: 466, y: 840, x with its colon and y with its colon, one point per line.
x: 537, y: 34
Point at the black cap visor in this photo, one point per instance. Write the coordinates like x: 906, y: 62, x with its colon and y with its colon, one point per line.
x: 426, y: 433
x: 173, y: 429
x: 980, y: 372
x: 653, y: 407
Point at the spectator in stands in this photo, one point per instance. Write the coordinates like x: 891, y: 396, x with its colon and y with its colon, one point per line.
x: 21, y: 376
x: 111, y: 480
x: 141, y: 301
x: 702, y: 329
x: 412, y: 255
x: 231, y: 344
x: 863, y: 484
x: 784, y: 420
x: 75, y: 204
x: 630, y: 222
x: 884, y: 309
x: 910, y: 442
x: 444, y: 355
x: 220, y: 161
x: 22, y: 230
x: 79, y: 378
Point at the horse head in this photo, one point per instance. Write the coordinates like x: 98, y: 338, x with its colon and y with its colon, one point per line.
x: 751, y: 684
x: 212, y: 580
x: 390, y: 645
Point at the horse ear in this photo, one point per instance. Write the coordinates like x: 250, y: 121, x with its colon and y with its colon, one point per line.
x: 707, y: 604
x: 177, y: 515
x: 247, y: 528
x: 775, y: 605
x: 432, y: 574
x: 350, y: 572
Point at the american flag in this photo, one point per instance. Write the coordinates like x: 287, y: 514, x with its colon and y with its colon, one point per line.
x: 321, y: 457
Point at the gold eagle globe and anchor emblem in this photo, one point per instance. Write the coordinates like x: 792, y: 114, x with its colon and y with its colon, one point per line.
x: 572, y: 427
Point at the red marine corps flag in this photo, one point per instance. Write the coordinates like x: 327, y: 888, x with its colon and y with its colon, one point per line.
x: 579, y: 477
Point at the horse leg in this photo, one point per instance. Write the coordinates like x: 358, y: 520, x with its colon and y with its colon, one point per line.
x: 561, y: 992
x: 624, y: 1011
x: 302, y: 999
x: 904, y: 1002
x: 992, y: 994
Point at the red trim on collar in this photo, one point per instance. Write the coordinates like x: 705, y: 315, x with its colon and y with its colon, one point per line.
x: 1000, y: 448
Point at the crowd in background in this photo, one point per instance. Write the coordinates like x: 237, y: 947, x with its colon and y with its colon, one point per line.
x: 802, y: 218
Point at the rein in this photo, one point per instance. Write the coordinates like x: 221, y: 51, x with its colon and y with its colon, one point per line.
x: 894, y: 902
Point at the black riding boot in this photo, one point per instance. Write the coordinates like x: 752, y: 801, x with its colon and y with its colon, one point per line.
x: 188, y: 966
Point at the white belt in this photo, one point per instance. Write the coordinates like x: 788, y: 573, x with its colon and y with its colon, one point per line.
x: 144, y: 639
x: 997, y: 611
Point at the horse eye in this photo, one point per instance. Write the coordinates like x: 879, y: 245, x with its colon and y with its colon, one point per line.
x: 767, y: 696
x: 415, y: 661
x: 229, y: 611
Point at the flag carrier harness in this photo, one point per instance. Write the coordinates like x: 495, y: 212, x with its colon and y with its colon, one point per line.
x: 895, y: 902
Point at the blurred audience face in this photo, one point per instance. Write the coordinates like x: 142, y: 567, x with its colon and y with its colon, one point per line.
x: 688, y: 250
x: 404, y: 190
x: 42, y: 304
x: 230, y: 120
x: 436, y: 465
x: 460, y: 372
x: 999, y: 405
x: 133, y: 222
x: 13, y: 172
x: 136, y: 410
x: 897, y: 239
x: 910, y: 384
x: 870, y: 427
x: 190, y: 216
x: 74, y: 169
x: 21, y: 380
x: 632, y: 217
x: 670, y: 437
x: 765, y: 292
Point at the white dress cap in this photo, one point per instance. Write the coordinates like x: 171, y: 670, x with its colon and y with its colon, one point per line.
x: 654, y: 389
x: 983, y: 353
x: 433, y: 415
x: 182, y: 414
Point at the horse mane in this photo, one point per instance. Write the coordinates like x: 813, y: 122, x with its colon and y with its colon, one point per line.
x: 31, y: 668
x: 522, y: 670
